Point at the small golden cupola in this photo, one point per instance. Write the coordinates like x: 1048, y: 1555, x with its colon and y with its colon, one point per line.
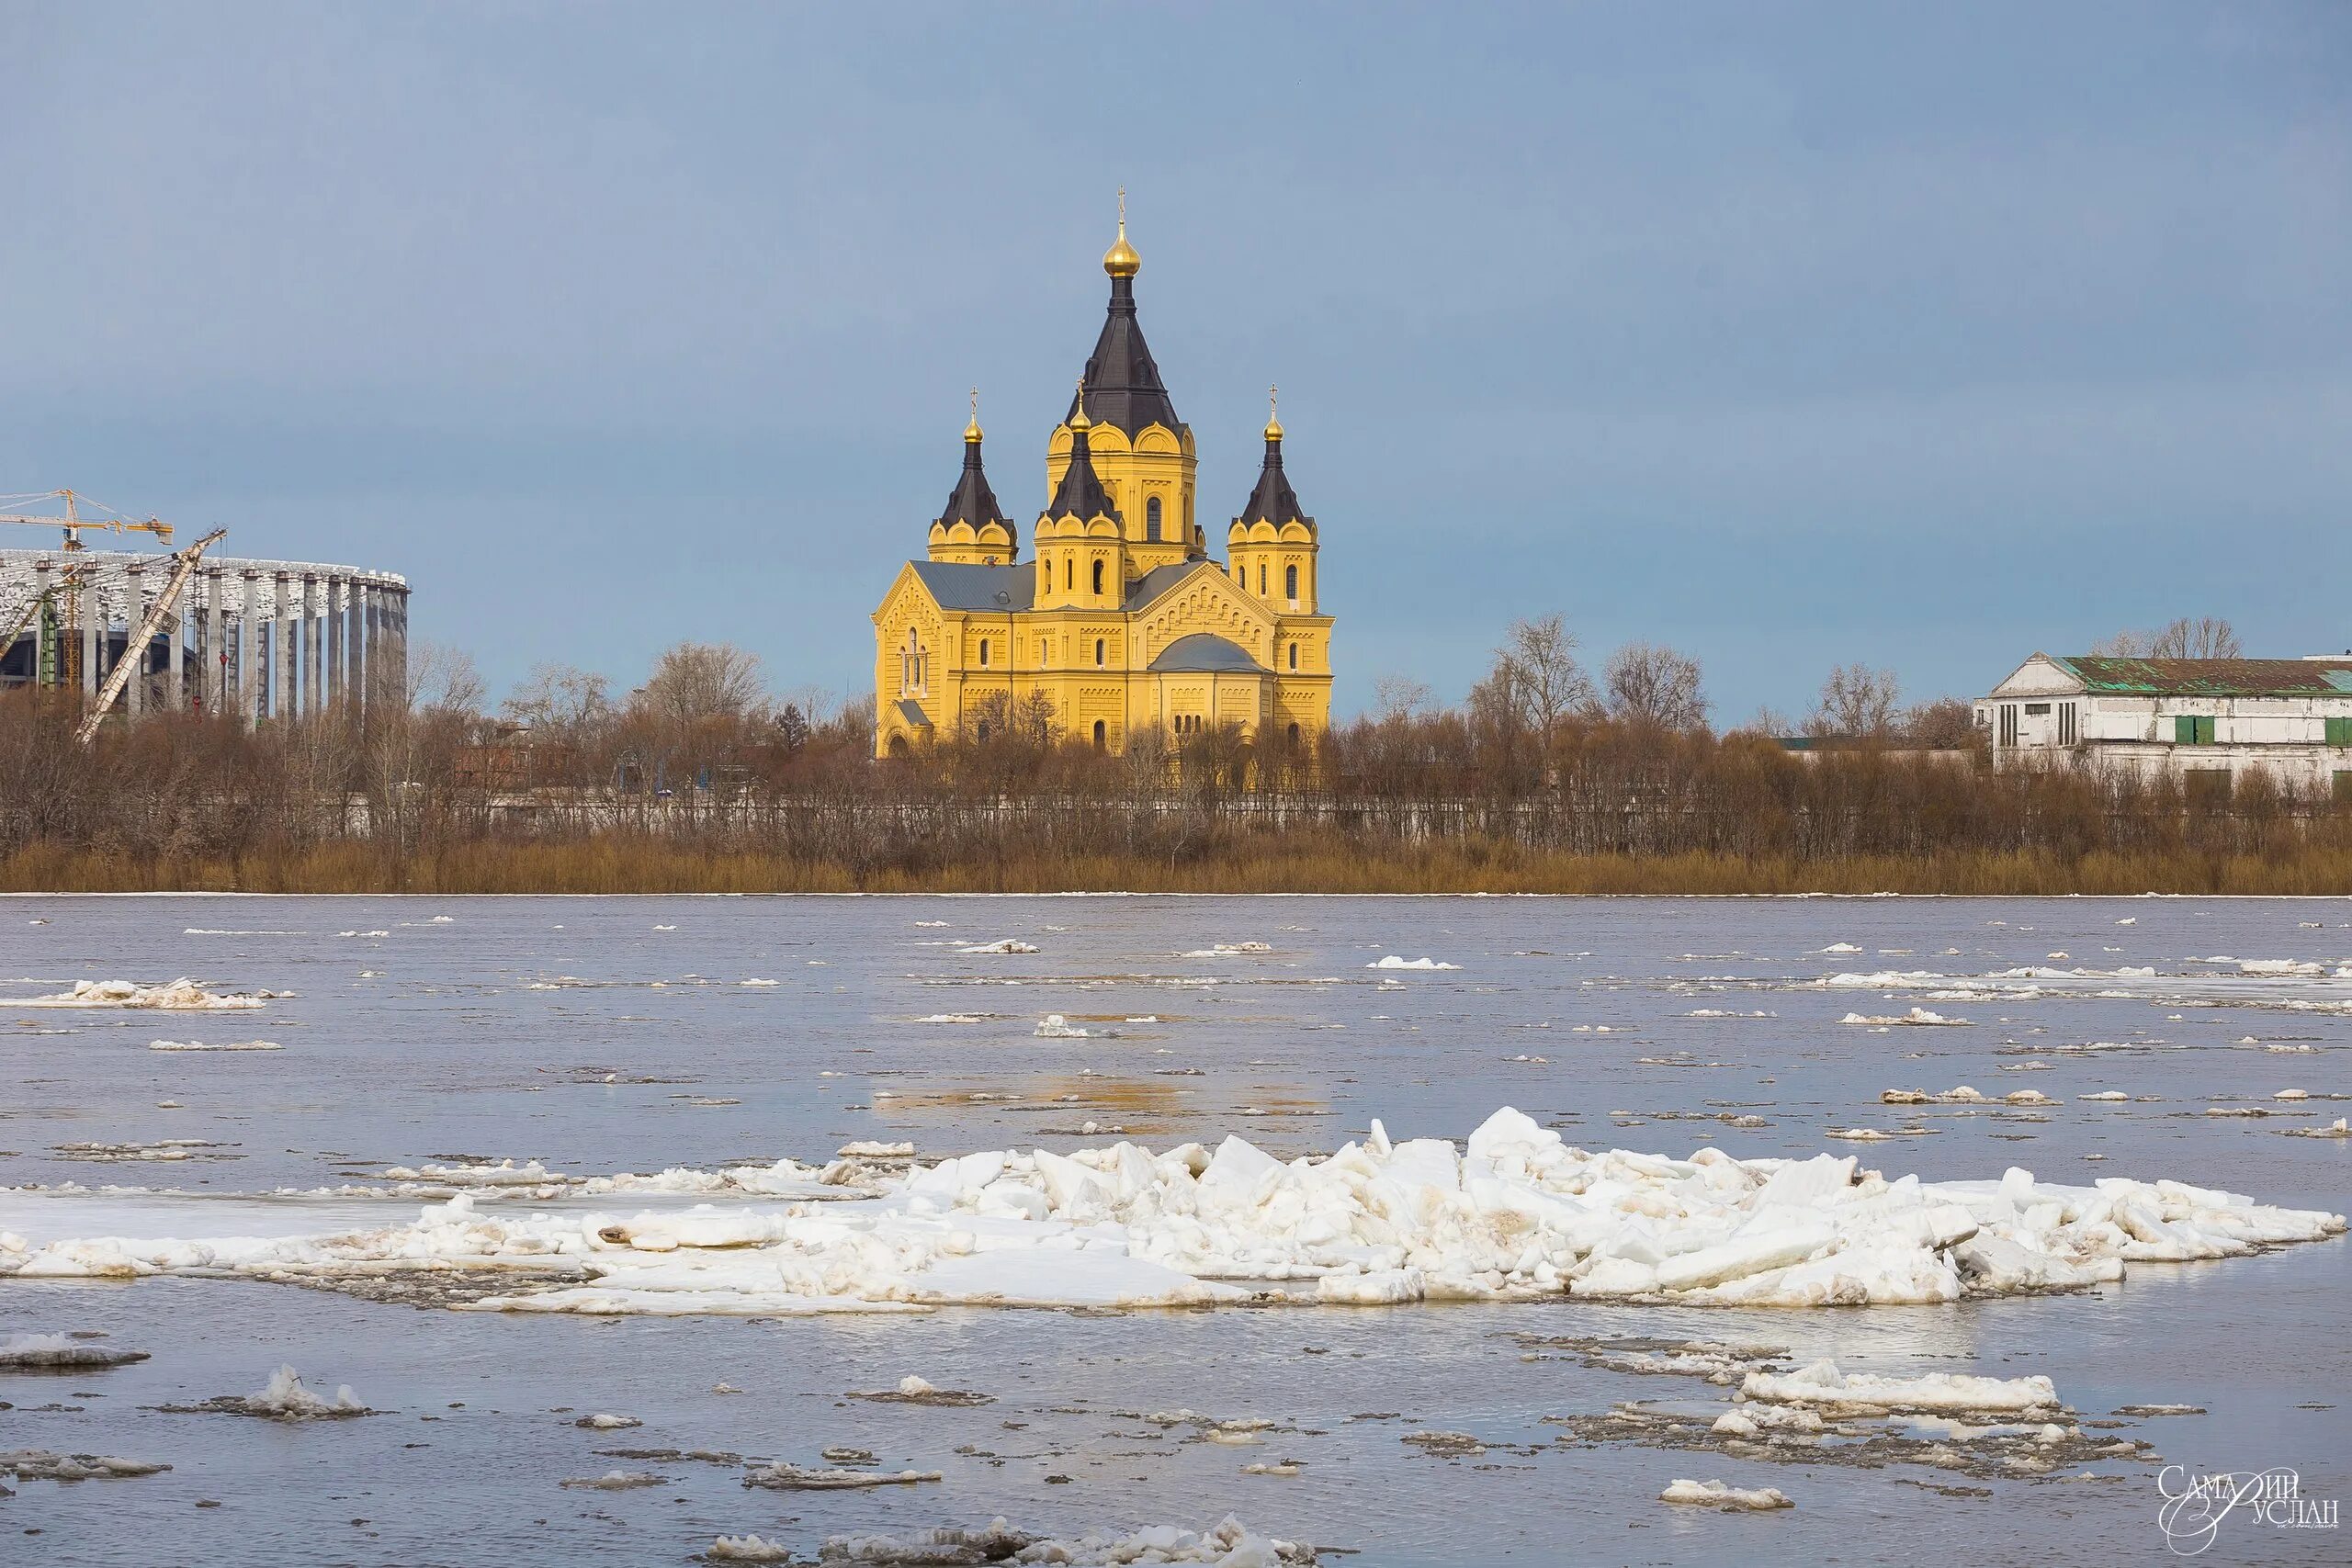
x: 973, y: 529
x: 1271, y: 548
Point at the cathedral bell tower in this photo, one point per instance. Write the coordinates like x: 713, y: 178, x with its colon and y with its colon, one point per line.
x: 973, y: 530
x: 1142, y: 452
x: 1271, y: 548
x: 1081, y: 553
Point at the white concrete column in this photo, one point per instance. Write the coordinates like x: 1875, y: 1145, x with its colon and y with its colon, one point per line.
x: 282, y: 619
x: 42, y: 569
x: 310, y: 639
x: 378, y: 649
x: 134, y: 598
x: 332, y: 607
x: 399, y: 645
x: 212, y: 676
x: 357, y: 655
x: 175, y: 650
x: 92, y: 614
x: 249, y: 654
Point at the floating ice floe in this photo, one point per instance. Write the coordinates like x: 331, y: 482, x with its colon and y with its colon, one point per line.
x: 1733, y: 1499
x: 756, y: 982
x: 2339, y: 1128
x: 60, y: 1353
x: 181, y: 994
x: 1916, y: 1016
x: 1961, y: 1094
x: 912, y: 1390
x: 40, y: 1464
x: 1839, y: 947
x: 752, y: 1547
x: 1395, y: 962
x: 1229, y: 1544
x: 223, y: 1046
x: 1008, y: 944
x: 1229, y: 950
x: 782, y: 1476
x: 603, y: 1421
x: 1054, y: 1026
x: 614, y: 1481
x: 1515, y: 1214
x: 1823, y: 1386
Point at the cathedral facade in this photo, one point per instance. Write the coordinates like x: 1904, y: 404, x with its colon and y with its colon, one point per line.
x: 1119, y: 624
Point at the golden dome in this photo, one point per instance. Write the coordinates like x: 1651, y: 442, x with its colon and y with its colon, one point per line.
x: 972, y: 431
x: 1273, y: 425
x: 1120, y: 260
x: 1079, y: 420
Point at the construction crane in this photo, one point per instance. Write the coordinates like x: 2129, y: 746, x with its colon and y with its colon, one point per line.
x: 74, y: 525
x: 130, y: 661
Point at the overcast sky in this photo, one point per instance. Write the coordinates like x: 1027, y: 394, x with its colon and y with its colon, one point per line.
x: 1787, y: 334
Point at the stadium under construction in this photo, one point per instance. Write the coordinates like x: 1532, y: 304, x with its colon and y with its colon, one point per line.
x: 187, y: 630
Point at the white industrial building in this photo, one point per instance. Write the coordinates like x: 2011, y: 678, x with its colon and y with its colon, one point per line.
x: 2206, y: 721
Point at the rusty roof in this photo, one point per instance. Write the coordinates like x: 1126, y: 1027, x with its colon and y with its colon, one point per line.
x: 2212, y: 677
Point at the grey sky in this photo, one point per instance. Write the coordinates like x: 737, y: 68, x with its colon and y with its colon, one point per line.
x: 1785, y: 333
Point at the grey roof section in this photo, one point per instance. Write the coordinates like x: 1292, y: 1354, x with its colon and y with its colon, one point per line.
x: 1161, y: 580
x: 959, y: 586
x: 1205, y: 651
x: 911, y: 711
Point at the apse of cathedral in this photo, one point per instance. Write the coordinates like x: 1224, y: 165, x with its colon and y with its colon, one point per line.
x: 1118, y: 618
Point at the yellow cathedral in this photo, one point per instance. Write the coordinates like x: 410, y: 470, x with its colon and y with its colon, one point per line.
x: 1121, y: 621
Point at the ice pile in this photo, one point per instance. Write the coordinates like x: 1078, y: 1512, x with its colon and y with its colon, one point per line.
x: 224, y: 1045
x: 1008, y: 944
x: 181, y: 994
x: 1920, y: 1017
x: 1514, y: 1214
x: 1395, y: 962
x: 284, y: 1398
x: 1823, y: 1386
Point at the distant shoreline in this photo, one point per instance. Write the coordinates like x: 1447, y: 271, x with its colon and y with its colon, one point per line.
x: 1316, y: 865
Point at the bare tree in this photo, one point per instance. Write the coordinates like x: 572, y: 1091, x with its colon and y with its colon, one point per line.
x: 1396, y: 698
x: 1643, y: 683
x: 1856, y: 700
x: 443, y: 679
x: 2205, y: 636
x: 1945, y: 724
x: 557, y: 698
x: 699, y: 680
x: 1536, y: 670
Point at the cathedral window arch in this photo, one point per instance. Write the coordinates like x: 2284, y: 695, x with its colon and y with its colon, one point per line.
x: 1294, y: 659
x: 1290, y: 581
x: 1261, y: 579
x: 1098, y: 578
x: 1098, y: 653
x: 1151, y: 520
x: 1070, y: 572
x: 984, y: 653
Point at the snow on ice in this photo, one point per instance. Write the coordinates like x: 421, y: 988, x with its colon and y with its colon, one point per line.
x: 181, y: 994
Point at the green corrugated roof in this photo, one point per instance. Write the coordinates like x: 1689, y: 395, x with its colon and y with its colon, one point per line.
x: 2211, y: 677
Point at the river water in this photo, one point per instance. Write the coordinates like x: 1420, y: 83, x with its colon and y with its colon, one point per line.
x: 620, y: 1035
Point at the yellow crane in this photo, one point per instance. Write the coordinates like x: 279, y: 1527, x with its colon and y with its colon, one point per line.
x: 74, y: 525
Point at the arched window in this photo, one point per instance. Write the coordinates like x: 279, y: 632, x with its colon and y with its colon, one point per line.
x: 1151, y: 520
x: 1261, y: 579
x: 1294, y: 659
x: 1098, y: 653
x: 1100, y: 735
x: 1070, y: 572
x: 1293, y: 735
x: 984, y: 655
x: 1290, y: 582
x: 1098, y: 578
x: 1237, y: 571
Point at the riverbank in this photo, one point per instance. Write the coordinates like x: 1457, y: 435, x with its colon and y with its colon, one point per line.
x: 1307, y: 861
